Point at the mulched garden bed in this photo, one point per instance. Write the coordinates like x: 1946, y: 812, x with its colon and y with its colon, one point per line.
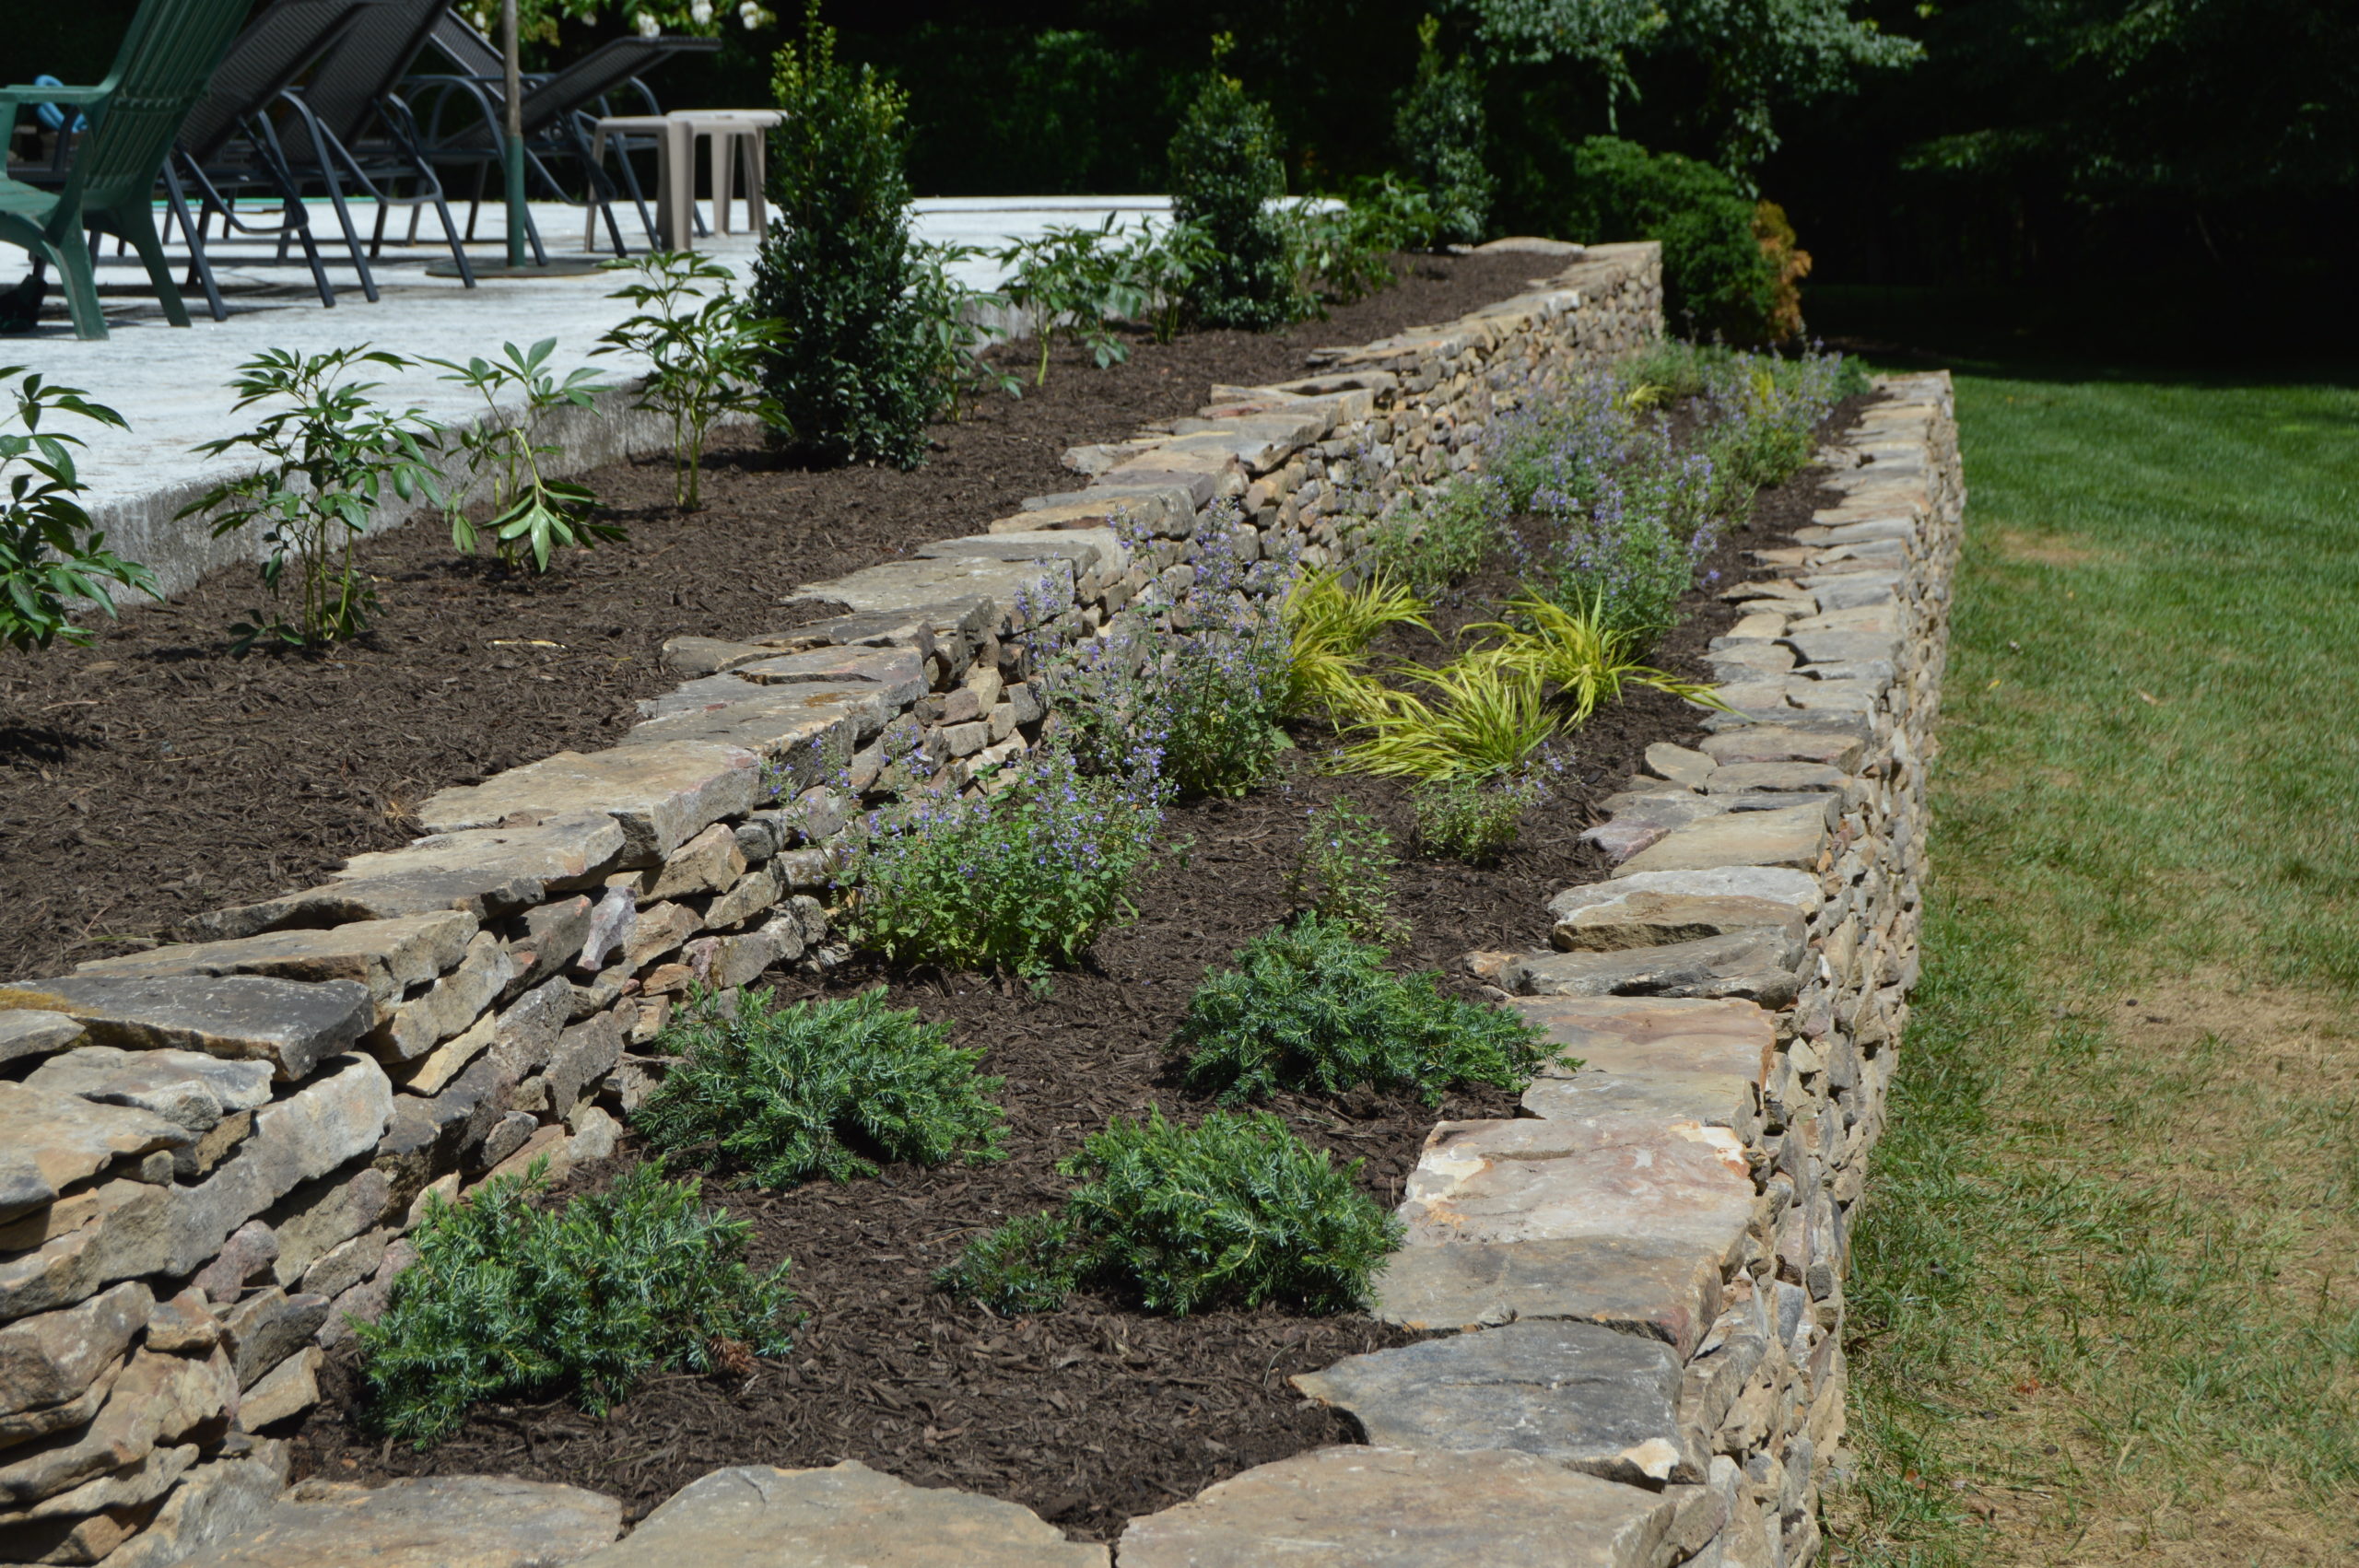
x: 1098, y: 1413
x: 153, y: 777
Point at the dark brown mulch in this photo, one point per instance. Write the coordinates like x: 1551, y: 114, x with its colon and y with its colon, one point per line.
x: 1096, y: 1413
x: 153, y: 777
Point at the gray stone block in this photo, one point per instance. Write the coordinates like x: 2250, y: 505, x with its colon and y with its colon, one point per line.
x: 242, y: 1017
x: 1394, y: 1508
x: 845, y: 1516
x: 431, y: 1522
x: 1602, y: 1402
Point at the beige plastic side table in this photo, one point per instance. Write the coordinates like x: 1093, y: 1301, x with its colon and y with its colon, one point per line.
x: 742, y: 132
x: 675, y: 183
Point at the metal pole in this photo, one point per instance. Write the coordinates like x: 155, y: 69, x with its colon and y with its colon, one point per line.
x: 512, y: 147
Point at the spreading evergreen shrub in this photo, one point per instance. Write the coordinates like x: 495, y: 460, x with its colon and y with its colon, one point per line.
x: 1309, y: 1007
x: 1030, y: 1264
x: 1439, y: 131
x: 852, y: 372
x: 510, y: 1300
x: 1716, y: 278
x: 819, y: 1087
x: 1235, y: 1211
x: 1224, y: 172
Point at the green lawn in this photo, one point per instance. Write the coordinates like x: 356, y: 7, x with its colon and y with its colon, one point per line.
x: 2104, y: 1297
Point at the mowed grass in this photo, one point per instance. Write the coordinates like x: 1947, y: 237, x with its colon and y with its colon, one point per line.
x: 2105, y: 1293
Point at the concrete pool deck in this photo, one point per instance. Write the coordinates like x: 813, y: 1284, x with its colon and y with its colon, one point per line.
x: 172, y: 385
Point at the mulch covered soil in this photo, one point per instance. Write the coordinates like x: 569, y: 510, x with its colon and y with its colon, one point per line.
x: 1098, y: 1413
x: 153, y: 776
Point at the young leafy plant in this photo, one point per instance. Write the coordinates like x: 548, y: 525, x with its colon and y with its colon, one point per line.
x: 1163, y: 267
x: 532, y: 514
x: 1443, y: 534
x: 952, y: 326
x: 509, y: 1299
x: 1310, y: 1007
x: 704, y: 348
x: 50, y: 553
x: 1074, y: 283
x: 1344, y: 871
x: 1471, y: 819
x: 328, y: 458
x: 817, y: 1088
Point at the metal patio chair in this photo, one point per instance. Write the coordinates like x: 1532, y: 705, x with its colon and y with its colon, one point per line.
x: 167, y: 58
x: 229, y: 144
x: 558, y: 110
x: 347, y: 118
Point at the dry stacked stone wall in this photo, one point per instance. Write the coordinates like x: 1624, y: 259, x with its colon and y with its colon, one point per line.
x: 210, y: 1153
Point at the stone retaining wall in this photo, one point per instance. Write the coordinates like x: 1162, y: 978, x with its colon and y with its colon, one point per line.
x: 1649, y: 1264
x: 210, y: 1153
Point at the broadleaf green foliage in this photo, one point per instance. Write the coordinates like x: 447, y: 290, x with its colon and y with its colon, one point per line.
x: 1344, y: 871
x: 328, y: 457
x: 1076, y: 283
x: 532, y: 514
x: 1226, y: 170
x: 704, y: 347
x: 1473, y: 820
x: 1309, y: 1007
x: 1020, y: 879
x: 819, y: 1088
x: 1236, y: 1209
x: 50, y: 553
x: 856, y: 372
x: 1030, y: 1264
x: 508, y: 1299
x: 1439, y: 132
x: 950, y: 325
x: 1717, y: 281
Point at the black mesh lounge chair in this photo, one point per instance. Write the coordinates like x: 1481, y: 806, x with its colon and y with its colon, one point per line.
x: 346, y: 119
x: 228, y: 144
x: 461, y: 115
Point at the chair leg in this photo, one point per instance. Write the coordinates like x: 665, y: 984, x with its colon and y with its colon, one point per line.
x: 135, y: 223
x: 81, y: 286
x: 200, y: 267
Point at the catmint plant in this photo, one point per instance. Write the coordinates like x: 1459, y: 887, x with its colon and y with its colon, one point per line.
x: 1020, y: 879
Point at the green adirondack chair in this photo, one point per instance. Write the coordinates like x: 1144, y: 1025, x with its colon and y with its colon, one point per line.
x: 162, y: 68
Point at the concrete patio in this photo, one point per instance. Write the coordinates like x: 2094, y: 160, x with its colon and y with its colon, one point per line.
x: 172, y: 385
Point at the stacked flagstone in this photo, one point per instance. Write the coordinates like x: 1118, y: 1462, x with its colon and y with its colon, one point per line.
x: 210, y: 1152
